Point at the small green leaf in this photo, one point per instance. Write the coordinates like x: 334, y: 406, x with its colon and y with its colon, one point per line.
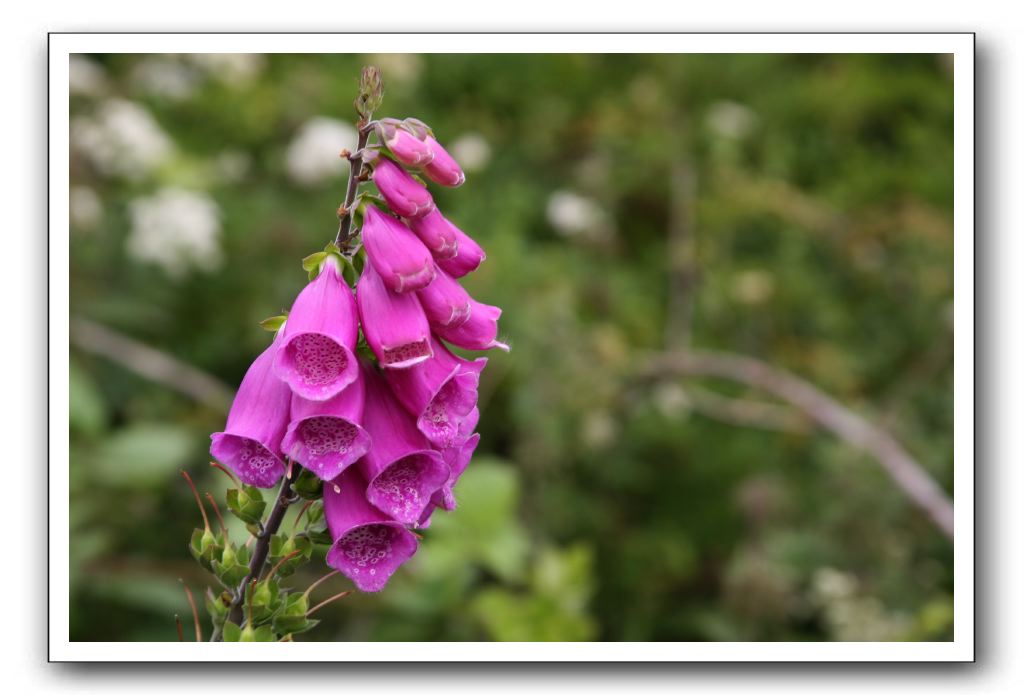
x: 274, y: 323
x: 232, y: 633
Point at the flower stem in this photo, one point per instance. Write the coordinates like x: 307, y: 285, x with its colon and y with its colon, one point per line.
x: 259, y: 553
x: 344, y: 229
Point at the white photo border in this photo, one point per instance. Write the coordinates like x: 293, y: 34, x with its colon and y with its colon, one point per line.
x: 961, y: 45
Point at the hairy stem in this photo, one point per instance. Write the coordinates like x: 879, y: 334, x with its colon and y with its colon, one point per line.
x: 344, y: 229
x: 284, y: 499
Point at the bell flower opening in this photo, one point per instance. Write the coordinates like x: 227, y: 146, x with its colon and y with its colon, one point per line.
x: 440, y: 393
x: 316, y: 357
x: 368, y: 546
x: 325, y: 436
x: 250, y: 442
x: 402, y: 470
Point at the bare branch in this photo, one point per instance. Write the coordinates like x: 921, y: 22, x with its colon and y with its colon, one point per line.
x: 743, y: 412
x: 150, y: 363
x: 856, y: 431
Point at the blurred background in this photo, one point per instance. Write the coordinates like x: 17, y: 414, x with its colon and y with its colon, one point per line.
x: 794, y: 210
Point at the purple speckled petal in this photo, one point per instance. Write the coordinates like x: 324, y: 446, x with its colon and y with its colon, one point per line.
x: 250, y: 442
x: 326, y: 436
x: 368, y: 546
x: 402, y: 470
x: 316, y: 357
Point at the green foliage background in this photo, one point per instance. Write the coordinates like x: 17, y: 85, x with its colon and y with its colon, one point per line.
x: 600, y: 506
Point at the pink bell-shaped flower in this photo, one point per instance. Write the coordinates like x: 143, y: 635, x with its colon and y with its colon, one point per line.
x: 368, y: 545
x: 250, y: 444
x: 316, y: 357
x: 400, y: 258
x: 394, y: 324
x: 404, y: 195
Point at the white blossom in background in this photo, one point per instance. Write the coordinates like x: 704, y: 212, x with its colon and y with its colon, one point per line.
x: 314, y: 155
x: 85, y: 208
x: 121, y: 139
x: 177, y: 230
x: 573, y: 215
x: 165, y: 77
x: 399, y: 68
x: 730, y: 119
x: 235, y: 69
x: 471, y: 150
x: 86, y: 77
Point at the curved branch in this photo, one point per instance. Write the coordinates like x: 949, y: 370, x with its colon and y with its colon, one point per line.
x: 852, y: 428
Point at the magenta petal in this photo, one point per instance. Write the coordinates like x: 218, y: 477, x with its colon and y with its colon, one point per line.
x: 250, y: 442
x: 468, y: 257
x: 368, y: 546
x: 440, y: 393
x: 394, y: 324
x: 325, y: 436
x: 445, y: 302
x: 403, y: 472
x: 404, y: 195
x: 443, y: 169
x: 406, y: 148
x: 316, y: 357
x: 437, y: 233
x: 400, y: 258
x: 478, y: 333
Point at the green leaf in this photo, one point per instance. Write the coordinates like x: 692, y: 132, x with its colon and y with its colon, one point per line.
x: 88, y: 412
x: 232, y: 633
x: 274, y: 323
x: 144, y: 455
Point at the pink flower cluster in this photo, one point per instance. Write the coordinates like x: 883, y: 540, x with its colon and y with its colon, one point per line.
x: 390, y: 438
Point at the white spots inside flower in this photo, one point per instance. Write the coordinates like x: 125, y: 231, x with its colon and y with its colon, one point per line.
x: 177, y: 230
x: 444, y: 413
x: 317, y: 359
x: 329, y: 442
x: 399, y: 489
x: 366, y: 547
x: 255, y: 456
x: 121, y: 139
x: 406, y: 352
x: 313, y: 156
x: 471, y: 151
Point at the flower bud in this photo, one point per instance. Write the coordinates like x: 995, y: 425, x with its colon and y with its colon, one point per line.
x: 467, y: 258
x: 250, y: 442
x: 394, y: 324
x: 445, y: 302
x: 316, y: 357
x: 400, y: 258
x: 443, y: 169
x: 406, y: 147
x: 439, y: 235
x: 404, y: 195
x: 478, y: 333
